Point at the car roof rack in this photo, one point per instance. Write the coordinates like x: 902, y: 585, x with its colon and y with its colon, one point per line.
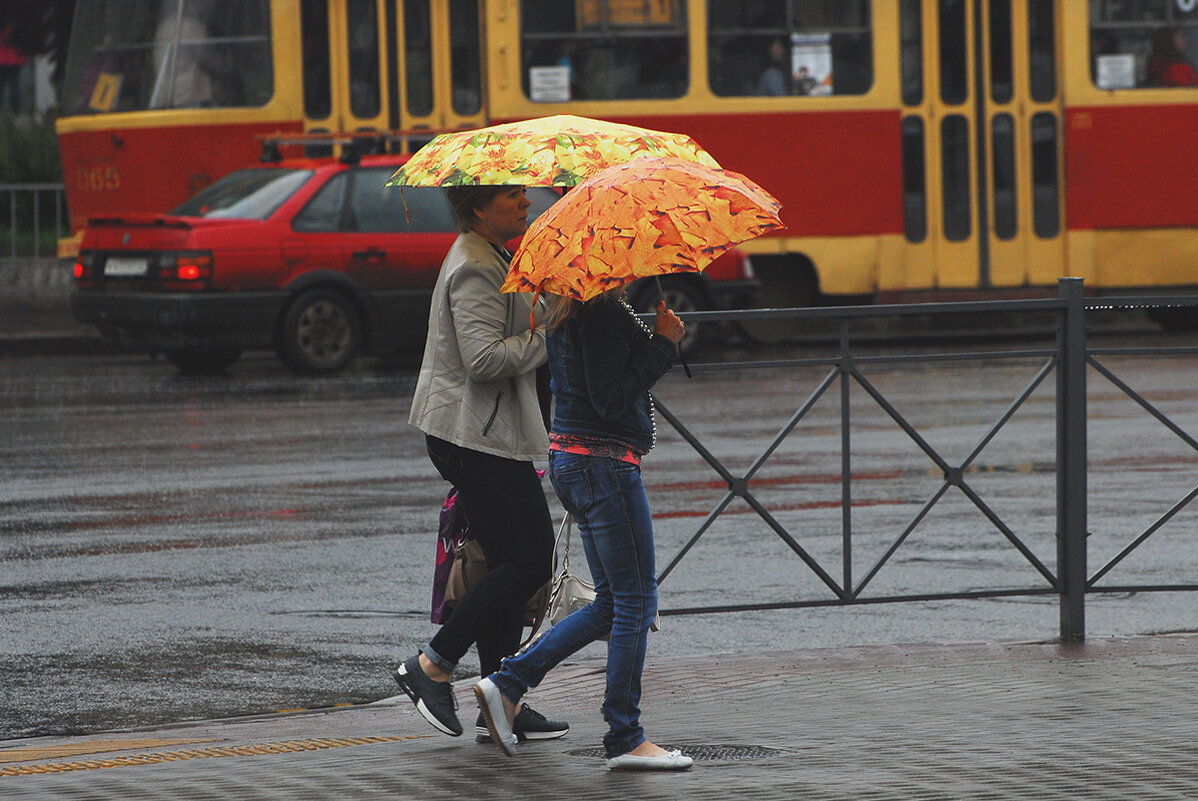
x: 353, y: 145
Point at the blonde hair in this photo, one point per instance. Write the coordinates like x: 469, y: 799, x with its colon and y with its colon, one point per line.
x: 559, y: 311
x: 562, y: 309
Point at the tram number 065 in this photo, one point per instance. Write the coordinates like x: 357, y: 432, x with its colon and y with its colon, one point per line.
x: 99, y: 179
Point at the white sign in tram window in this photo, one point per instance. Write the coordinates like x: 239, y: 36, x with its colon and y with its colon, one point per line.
x: 549, y: 84
x: 811, y: 63
x: 1115, y: 71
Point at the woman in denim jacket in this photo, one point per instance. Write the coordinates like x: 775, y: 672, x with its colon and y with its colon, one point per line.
x: 603, y: 361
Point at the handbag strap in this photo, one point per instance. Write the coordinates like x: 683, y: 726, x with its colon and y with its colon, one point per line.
x: 564, y: 530
x: 554, y: 582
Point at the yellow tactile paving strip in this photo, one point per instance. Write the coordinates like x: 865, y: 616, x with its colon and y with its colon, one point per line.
x: 91, y: 747
x: 153, y: 758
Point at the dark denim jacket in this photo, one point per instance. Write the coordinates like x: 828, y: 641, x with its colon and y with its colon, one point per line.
x: 602, y: 364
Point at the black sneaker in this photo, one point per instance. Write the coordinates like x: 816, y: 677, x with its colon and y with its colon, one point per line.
x: 434, y: 699
x: 529, y: 725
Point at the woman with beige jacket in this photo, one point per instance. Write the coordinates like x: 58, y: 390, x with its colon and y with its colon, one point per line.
x: 476, y: 401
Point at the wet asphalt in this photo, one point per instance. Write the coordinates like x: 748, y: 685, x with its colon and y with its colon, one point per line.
x: 178, y: 548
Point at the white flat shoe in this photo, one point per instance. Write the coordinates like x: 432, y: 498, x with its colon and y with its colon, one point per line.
x: 674, y: 760
x: 491, y: 703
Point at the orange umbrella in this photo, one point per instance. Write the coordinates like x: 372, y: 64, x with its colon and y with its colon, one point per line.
x: 562, y: 150
x: 647, y: 217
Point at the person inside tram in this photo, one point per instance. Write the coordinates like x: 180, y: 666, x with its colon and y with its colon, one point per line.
x: 182, y: 77
x: 775, y: 78
x: 1168, y: 65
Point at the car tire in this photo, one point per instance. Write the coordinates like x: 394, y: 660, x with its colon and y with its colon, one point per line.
x: 196, y: 361
x: 321, y: 333
x: 682, y: 296
x: 785, y: 283
x: 1175, y: 319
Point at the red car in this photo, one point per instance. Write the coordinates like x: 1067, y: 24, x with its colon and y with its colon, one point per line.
x: 315, y: 259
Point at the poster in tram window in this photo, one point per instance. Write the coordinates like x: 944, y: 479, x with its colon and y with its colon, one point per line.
x: 811, y: 63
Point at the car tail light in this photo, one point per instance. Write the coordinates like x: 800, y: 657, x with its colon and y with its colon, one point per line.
x: 185, y: 271
x: 85, y: 269
x: 193, y: 267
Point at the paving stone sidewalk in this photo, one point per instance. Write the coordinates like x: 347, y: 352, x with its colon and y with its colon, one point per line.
x: 1110, y: 719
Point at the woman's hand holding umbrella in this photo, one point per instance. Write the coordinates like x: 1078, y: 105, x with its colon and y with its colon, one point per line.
x: 668, y: 324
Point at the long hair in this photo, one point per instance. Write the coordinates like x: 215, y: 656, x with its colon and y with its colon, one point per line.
x: 562, y: 310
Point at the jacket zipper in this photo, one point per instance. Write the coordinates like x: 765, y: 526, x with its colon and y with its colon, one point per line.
x: 494, y: 412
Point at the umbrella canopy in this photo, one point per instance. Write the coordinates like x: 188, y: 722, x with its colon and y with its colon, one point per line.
x: 643, y: 218
x: 562, y: 150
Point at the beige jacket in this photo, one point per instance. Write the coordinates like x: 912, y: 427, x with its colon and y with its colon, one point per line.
x: 477, y: 386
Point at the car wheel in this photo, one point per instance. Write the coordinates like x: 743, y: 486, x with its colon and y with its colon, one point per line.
x: 321, y: 332
x: 195, y: 361
x: 1175, y: 319
x: 785, y: 283
x: 681, y: 296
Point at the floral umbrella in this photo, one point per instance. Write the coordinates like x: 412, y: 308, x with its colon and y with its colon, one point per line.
x: 562, y: 150
x: 647, y: 217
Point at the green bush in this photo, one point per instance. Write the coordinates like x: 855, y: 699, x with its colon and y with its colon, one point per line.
x: 28, y: 151
x: 28, y: 155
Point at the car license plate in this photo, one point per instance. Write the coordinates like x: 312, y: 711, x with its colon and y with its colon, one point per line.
x: 120, y: 266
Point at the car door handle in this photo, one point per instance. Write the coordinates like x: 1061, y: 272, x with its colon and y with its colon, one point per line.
x: 373, y: 253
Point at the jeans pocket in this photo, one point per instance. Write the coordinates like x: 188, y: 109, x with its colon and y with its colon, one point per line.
x: 571, y: 481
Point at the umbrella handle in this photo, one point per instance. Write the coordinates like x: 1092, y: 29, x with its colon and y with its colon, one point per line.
x: 678, y: 347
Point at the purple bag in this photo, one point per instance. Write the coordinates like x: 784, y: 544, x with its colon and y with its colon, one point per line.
x: 453, y: 532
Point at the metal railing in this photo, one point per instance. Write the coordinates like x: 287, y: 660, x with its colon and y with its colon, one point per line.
x: 1067, y: 360
x: 28, y: 217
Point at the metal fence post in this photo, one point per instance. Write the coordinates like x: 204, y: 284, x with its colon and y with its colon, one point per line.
x: 1071, y: 461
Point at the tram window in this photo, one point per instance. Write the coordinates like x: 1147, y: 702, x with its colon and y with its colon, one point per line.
x: 1002, y: 142
x: 791, y: 47
x: 915, y: 194
x: 465, y: 49
x: 314, y: 21
x: 1001, y: 86
x: 954, y: 136
x: 911, y: 27
x: 362, y: 17
x: 603, y: 50
x: 418, y: 51
x: 131, y: 55
x: 954, y: 82
x: 1144, y: 45
x: 1046, y: 214
x: 1042, y: 50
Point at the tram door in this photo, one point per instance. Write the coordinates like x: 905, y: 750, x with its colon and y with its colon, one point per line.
x: 981, y: 136
x: 441, y: 65
x: 343, y: 47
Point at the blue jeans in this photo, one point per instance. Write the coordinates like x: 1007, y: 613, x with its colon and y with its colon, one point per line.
x: 607, y: 500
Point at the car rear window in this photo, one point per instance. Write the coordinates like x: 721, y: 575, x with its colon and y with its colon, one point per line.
x: 252, y: 194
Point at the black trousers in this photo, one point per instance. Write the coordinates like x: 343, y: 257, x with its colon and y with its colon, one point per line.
x: 505, y: 504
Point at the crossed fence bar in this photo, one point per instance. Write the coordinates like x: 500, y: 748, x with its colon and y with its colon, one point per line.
x: 1068, y: 361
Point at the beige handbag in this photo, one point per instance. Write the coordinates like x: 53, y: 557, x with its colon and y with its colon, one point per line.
x: 571, y: 592
x: 470, y: 564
